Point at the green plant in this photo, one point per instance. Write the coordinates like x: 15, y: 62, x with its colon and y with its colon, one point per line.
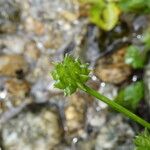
x: 146, y: 39
x: 137, y: 6
x: 135, y: 57
x: 142, y: 141
x: 105, y: 14
x: 71, y: 74
x: 131, y: 95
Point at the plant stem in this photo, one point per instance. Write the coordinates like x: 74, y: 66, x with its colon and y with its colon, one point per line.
x: 115, y: 106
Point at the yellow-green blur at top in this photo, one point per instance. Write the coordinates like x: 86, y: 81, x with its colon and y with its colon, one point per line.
x: 105, y: 14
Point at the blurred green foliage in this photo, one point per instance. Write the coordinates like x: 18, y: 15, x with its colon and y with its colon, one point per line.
x: 135, y: 57
x: 142, y: 141
x: 146, y: 38
x: 105, y: 17
x: 137, y: 6
x: 131, y: 95
x: 105, y: 14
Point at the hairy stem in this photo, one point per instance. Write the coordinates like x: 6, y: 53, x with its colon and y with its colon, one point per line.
x: 115, y: 106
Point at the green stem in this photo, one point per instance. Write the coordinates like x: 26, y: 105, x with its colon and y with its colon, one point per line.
x: 115, y: 106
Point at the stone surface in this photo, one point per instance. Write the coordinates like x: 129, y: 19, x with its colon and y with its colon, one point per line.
x: 9, y: 16
x: 33, y: 131
x: 12, y: 44
x: 13, y: 93
x: 112, y: 68
x: 75, y: 115
x: 43, y: 31
x: 18, y: 88
x: 113, y: 134
x: 13, y: 65
x: 34, y: 26
x: 31, y: 51
x: 50, y: 43
x: 86, y: 145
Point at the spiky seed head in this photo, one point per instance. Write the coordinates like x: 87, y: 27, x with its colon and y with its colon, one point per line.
x: 69, y: 73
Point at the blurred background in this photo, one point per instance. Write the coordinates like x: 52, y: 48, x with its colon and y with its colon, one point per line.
x: 112, y: 36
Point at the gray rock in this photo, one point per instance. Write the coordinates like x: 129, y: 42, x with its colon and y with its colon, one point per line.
x: 13, y: 65
x: 40, y: 90
x: 86, y: 145
x: 112, y: 68
x: 12, y: 44
x: 33, y: 131
x: 18, y: 88
x: 9, y: 15
x: 75, y: 112
x: 31, y: 52
x: 115, y: 135
x: 13, y: 93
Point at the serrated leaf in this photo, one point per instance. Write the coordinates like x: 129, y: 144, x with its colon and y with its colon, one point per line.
x: 69, y: 73
x: 142, y: 141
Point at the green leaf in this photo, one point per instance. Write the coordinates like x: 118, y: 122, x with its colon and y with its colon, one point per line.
x: 135, y: 57
x: 99, y: 2
x: 130, y: 96
x: 69, y: 73
x: 146, y: 38
x: 138, y: 6
x: 142, y: 141
x: 105, y: 15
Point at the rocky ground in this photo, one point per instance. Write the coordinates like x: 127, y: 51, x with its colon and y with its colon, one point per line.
x: 34, y: 115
